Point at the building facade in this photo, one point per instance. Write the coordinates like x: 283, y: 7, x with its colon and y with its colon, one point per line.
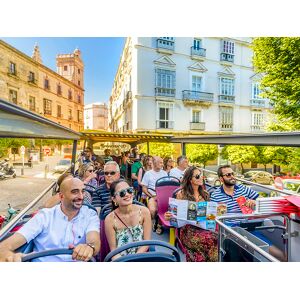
x: 96, y: 116
x: 187, y: 85
x: 25, y: 81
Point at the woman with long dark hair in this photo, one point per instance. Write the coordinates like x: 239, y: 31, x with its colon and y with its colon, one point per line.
x: 200, y: 244
x: 127, y: 222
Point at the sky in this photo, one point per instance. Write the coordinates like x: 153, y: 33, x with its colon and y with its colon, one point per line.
x: 101, y: 56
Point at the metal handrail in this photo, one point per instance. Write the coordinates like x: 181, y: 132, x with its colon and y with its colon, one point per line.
x: 240, y: 237
x: 255, y: 183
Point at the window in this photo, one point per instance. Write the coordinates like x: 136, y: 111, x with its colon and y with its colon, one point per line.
x: 70, y: 96
x: 78, y: 82
x: 196, y: 83
x: 47, y: 107
x: 31, y: 77
x: 65, y: 68
x: 197, y: 44
x: 79, y: 115
x: 226, y: 118
x: 78, y: 98
x: 166, y: 43
x: 70, y: 114
x: 226, y: 86
x: 165, y: 115
x: 196, y: 116
x: 256, y: 90
x: 78, y: 71
x: 46, y: 84
x: 228, y: 47
x: 257, y: 119
x: 59, y: 115
x: 12, y: 68
x: 13, y: 96
x: 58, y: 89
x: 31, y: 103
x: 165, y: 82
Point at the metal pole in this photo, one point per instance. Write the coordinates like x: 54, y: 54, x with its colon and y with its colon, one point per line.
x: 73, y: 157
x: 148, y: 148
x: 183, y: 148
x: 22, y: 170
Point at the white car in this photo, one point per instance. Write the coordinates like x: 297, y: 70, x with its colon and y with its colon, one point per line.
x: 62, y: 165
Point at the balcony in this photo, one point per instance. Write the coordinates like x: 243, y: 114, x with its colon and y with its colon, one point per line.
x: 197, y: 126
x: 226, y: 127
x: 70, y: 118
x: 198, y: 52
x: 32, y: 80
x: 164, y: 124
x: 258, y: 102
x: 159, y: 91
x: 227, y: 57
x: 195, y: 97
x: 226, y: 99
x: 47, y: 112
x: 165, y: 46
x: 12, y: 72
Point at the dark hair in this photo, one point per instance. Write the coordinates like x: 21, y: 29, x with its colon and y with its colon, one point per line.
x: 187, y: 189
x: 221, y: 168
x: 113, y: 187
x: 60, y: 179
x: 100, y: 160
x: 180, y: 158
x: 166, y: 159
x: 146, y: 159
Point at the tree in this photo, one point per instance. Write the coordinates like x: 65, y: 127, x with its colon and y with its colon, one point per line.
x: 278, y: 59
x: 201, y: 153
x: 158, y: 149
x: 240, y: 154
x: 7, y: 143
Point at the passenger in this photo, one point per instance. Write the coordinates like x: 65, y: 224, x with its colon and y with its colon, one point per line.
x: 229, y: 192
x: 99, y: 168
x: 124, y: 162
x: 101, y: 195
x: 201, y: 245
x: 147, y: 166
x: 136, y: 166
x: 107, y: 156
x: 148, y: 184
x: 127, y: 222
x: 168, y: 164
x: 88, y: 155
x: 182, y: 164
x: 87, y: 174
x: 67, y: 225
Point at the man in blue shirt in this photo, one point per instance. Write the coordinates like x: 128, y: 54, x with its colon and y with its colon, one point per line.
x: 66, y: 225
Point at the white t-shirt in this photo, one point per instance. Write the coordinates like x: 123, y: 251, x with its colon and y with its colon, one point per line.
x: 150, y: 179
x: 177, y: 173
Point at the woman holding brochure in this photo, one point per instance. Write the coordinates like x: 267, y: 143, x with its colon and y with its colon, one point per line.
x: 201, y: 245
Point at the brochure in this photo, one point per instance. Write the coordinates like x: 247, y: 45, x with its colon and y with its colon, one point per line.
x: 201, y: 214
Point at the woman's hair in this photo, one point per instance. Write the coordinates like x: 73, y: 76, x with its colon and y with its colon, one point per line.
x: 60, y: 179
x: 113, y: 187
x: 100, y: 160
x: 83, y: 168
x: 166, y: 159
x: 146, y: 159
x: 187, y: 189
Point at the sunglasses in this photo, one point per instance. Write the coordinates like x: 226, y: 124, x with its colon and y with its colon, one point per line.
x: 110, y: 173
x: 90, y: 171
x: 228, y: 174
x: 198, y: 176
x: 122, y: 193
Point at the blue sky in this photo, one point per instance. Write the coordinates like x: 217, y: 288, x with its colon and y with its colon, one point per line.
x: 101, y: 58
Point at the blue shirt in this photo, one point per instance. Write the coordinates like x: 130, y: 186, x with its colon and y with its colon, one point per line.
x: 101, y: 196
x: 219, y: 195
x: 50, y: 229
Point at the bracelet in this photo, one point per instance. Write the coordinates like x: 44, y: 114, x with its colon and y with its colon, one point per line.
x: 92, y: 246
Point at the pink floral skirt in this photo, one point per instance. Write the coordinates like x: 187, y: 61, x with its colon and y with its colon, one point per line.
x: 200, y: 245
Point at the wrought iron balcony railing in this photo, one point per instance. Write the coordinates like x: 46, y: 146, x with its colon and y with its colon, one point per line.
x: 197, y: 125
x: 165, y: 44
x: 227, y: 57
x: 258, y: 102
x: 188, y: 95
x: 226, y: 98
x: 198, y: 51
x: 160, y: 91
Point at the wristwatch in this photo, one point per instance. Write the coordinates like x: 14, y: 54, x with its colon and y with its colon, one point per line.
x: 92, y: 246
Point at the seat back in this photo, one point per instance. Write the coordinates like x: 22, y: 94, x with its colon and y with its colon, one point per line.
x: 104, y: 243
x: 164, y: 188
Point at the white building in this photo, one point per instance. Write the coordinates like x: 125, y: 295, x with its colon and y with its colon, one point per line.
x: 186, y: 85
x: 96, y: 116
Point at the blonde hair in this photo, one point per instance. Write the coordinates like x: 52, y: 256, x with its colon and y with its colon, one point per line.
x: 83, y: 168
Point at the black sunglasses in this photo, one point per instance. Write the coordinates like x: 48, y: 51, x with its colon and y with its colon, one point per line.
x: 198, y: 176
x: 110, y: 173
x: 90, y: 171
x: 122, y: 193
x: 228, y: 174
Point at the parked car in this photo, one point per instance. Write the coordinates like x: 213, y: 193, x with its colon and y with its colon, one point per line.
x: 213, y: 179
x: 62, y: 165
x: 291, y: 185
x: 260, y: 177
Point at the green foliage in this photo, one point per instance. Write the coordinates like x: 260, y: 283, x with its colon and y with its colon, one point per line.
x: 278, y: 59
x: 240, y: 154
x: 158, y: 149
x: 6, y: 143
x: 201, y: 153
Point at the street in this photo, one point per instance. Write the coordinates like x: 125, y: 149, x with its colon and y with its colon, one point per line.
x: 20, y: 191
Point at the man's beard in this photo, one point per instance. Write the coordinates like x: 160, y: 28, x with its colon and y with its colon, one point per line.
x: 229, y: 182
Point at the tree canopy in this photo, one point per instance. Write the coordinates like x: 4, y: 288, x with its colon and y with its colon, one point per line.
x: 159, y: 149
x: 278, y: 60
x: 201, y: 153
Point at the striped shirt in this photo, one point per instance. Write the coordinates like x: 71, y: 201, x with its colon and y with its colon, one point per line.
x: 220, y: 195
x: 101, y: 196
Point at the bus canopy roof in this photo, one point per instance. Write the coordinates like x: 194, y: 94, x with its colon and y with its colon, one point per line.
x: 17, y: 122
